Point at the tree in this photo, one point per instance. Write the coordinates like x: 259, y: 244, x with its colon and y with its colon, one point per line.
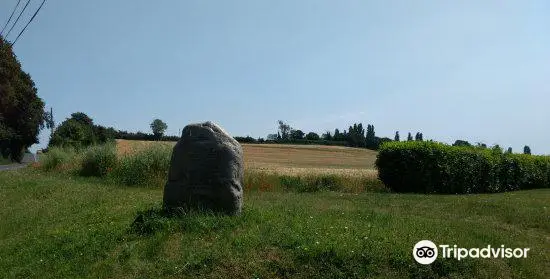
x: 396, y: 137
x: 461, y: 143
x: 527, y: 150
x: 72, y: 133
x: 82, y: 118
x: 103, y: 134
x: 327, y: 136
x: 356, y: 135
x: 312, y: 136
x: 21, y: 110
x: 79, y: 131
x: 338, y: 136
x: 296, y: 134
x: 49, y: 121
x: 272, y: 137
x: 158, y: 127
x: 509, y: 151
x: 370, y: 138
x: 418, y: 136
x: 284, y: 130
x: 481, y: 145
x: 409, y: 137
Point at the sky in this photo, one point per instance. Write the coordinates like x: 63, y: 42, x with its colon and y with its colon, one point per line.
x: 470, y: 70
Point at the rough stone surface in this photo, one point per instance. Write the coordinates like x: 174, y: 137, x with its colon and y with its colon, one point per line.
x: 206, y: 171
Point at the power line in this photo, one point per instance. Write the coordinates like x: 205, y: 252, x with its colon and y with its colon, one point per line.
x: 16, y: 20
x: 23, y: 30
x: 9, y: 19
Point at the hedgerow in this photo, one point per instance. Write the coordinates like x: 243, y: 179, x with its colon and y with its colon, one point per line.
x: 430, y: 167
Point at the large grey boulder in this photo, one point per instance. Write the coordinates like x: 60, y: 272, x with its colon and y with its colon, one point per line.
x: 206, y: 171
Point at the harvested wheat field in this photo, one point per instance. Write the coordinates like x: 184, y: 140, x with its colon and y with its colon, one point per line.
x: 290, y: 159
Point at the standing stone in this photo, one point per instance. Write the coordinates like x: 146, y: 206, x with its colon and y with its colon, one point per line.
x: 206, y: 171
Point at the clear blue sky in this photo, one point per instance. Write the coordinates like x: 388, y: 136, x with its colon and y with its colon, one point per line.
x: 472, y: 70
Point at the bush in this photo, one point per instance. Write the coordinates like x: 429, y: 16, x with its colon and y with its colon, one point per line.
x: 429, y: 167
x: 58, y: 159
x: 98, y: 160
x: 147, y: 166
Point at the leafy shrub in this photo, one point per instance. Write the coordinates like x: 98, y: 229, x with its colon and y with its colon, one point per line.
x: 429, y: 167
x: 58, y: 159
x: 98, y: 160
x: 147, y: 166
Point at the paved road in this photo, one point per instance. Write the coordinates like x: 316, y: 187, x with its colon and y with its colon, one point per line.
x: 27, y: 158
x: 12, y: 166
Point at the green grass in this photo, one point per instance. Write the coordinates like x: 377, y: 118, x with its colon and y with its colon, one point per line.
x: 59, y: 226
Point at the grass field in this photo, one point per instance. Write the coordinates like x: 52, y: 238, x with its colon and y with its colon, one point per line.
x: 58, y: 226
x: 284, y: 157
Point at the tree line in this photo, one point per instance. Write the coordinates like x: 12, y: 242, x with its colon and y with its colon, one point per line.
x: 79, y: 130
x: 354, y: 136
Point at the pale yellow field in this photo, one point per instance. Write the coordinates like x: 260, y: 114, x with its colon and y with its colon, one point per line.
x: 292, y: 159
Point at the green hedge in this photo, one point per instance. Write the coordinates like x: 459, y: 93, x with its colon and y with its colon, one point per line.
x: 429, y: 167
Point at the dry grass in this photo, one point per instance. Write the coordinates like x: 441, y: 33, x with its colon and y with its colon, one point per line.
x: 291, y: 159
x: 275, y: 167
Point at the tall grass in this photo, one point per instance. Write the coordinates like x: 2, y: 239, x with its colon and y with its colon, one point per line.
x: 59, y: 159
x: 149, y: 167
x: 98, y: 160
x: 263, y: 181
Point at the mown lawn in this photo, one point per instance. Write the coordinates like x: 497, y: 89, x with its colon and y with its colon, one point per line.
x: 54, y: 226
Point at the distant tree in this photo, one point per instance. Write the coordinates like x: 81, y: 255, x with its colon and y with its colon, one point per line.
x: 327, y: 136
x: 527, y: 150
x: 312, y: 136
x: 409, y: 137
x: 272, y: 137
x: 418, y: 136
x: 247, y: 139
x: 296, y: 134
x: 370, y: 138
x: 284, y: 130
x: 345, y: 135
x: 261, y: 140
x: 481, y: 145
x: 158, y: 127
x: 82, y: 118
x: 79, y: 131
x: 49, y: 121
x: 396, y: 137
x: 509, y: 151
x: 21, y: 110
x: 356, y: 135
x: 72, y: 133
x: 461, y: 143
x: 338, y: 136
x: 103, y: 134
